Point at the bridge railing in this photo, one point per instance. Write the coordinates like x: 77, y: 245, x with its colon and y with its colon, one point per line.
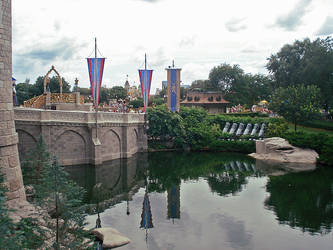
x: 31, y: 114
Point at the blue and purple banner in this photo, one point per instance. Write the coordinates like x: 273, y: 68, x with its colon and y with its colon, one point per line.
x: 95, y: 68
x: 145, y: 80
x: 173, y: 90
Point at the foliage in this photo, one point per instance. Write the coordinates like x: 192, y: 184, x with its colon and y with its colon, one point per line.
x: 276, y: 129
x: 322, y: 124
x: 168, y: 169
x: 138, y: 103
x: 319, y: 142
x: 305, y: 62
x: 296, y: 103
x: 198, y: 132
x: 55, y: 190
x: 58, y: 191
x: 293, y: 197
x: 163, y: 124
x: 54, y: 85
x: 7, y: 237
x: 233, y: 146
x: 23, y: 235
x: 117, y: 92
x: 26, y: 91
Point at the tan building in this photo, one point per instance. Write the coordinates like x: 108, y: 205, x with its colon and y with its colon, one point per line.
x: 212, y: 102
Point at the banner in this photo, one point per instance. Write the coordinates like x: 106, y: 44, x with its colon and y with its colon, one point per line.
x: 95, y: 68
x: 145, y: 80
x: 173, y: 90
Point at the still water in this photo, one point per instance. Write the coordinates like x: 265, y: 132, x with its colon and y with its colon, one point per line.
x: 210, y: 201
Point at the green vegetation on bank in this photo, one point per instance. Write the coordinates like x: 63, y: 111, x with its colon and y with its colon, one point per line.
x: 195, y: 129
x: 59, y: 203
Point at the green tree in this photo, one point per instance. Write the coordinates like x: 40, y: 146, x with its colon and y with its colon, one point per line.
x: 305, y: 62
x: 163, y: 124
x: 24, y: 91
x: 296, y: 103
x: 54, y: 85
x: 7, y: 241
x: 225, y: 77
x: 57, y: 191
x: 138, y: 103
x: 117, y: 92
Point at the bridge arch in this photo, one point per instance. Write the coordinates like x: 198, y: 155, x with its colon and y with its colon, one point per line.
x: 111, y: 145
x: 70, y: 145
x: 26, y: 143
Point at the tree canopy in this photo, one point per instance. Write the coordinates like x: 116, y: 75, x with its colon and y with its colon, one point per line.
x: 296, y: 103
x: 305, y: 62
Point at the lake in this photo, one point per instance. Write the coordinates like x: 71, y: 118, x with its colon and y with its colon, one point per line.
x: 209, y: 201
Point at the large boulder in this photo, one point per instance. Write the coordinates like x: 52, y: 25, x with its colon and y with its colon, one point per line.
x: 111, y: 237
x: 277, y: 149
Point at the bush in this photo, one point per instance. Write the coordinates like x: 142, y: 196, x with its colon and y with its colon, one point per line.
x: 233, y: 146
x: 277, y: 128
x: 326, y: 156
x: 321, y: 143
x: 328, y: 125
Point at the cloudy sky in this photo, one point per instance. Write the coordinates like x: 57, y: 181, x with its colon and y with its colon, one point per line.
x: 197, y: 34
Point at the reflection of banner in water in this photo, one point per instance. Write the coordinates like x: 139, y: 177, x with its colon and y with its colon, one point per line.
x: 146, y: 216
x: 174, y: 202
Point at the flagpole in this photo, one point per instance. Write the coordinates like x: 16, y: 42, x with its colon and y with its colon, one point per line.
x: 96, y: 87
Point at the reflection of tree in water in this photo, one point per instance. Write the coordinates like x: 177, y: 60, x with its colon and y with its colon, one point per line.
x: 228, y: 182
x: 167, y: 170
x: 303, y: 200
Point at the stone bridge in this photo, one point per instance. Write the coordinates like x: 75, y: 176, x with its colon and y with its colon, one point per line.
x: 71, y: 135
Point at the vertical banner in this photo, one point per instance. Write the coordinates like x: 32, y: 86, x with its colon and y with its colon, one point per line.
x: 95, y: 68
x: 145, y: 80
x: 173, y: 89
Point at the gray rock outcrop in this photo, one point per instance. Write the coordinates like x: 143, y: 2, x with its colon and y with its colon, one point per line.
x: 111, y: 237
x: 277, y: 149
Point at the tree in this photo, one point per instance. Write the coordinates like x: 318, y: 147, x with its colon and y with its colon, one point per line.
x: 54, y: 85
x: 117, y: 92
x: 57, y: 191
x: 296, y: 103
x: 305, y: 62
x: 225, y: 77
x: 24, y: 91
x: 163, y: 124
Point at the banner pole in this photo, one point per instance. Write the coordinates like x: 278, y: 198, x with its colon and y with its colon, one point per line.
x: 96, y: 87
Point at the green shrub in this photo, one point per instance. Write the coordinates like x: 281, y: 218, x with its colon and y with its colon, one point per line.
x: 321, y: 143
x: 326, y: 156
x: 233, y: 146
x: 277, y: 128
x: 328, y: 125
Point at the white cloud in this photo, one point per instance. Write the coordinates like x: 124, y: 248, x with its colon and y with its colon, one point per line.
x: 191, y: 32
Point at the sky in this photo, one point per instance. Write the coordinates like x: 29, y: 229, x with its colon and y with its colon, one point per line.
x: 197, y: 34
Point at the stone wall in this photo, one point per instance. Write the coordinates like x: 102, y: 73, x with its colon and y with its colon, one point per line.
x: 71, y: 135
x: 9, y: 161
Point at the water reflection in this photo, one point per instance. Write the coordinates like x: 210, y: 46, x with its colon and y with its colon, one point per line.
x: 303, y: 200
x: 300, y: 200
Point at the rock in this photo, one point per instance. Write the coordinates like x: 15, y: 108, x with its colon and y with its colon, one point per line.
x: 277, y: 149
x: 111, y: 237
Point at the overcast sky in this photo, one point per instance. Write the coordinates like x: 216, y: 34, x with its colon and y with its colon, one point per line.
x: 197, y: 34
